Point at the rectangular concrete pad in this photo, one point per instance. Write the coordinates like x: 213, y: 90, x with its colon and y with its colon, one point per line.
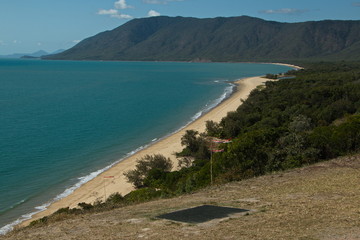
x: 201, y: 214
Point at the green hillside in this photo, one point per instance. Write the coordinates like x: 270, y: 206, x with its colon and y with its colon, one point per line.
x: 317, y: 202
x: 220, y: 39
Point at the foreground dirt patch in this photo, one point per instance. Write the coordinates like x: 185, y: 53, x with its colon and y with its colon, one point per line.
x: 315, y: 202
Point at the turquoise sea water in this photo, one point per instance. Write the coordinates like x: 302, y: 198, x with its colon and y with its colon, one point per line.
x: 63, y: 122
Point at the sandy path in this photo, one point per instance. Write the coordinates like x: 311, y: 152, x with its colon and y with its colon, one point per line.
x: 99, y: 186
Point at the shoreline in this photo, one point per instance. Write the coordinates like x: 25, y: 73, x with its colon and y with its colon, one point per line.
x: 289, y: 65
x: 100, y: 187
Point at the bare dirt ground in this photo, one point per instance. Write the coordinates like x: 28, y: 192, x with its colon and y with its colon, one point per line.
x: 321, y: 201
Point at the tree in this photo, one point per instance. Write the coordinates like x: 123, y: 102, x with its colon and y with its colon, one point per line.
x: 196, y: 145
x: 212, y: 128
x: 189, y: 140
x: 146, y: 165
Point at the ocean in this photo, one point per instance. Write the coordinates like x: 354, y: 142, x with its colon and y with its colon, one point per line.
x: 63, y: 122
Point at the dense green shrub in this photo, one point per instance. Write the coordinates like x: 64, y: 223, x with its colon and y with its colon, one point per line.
x: 115, y: 198
x: 145, y: 166
x: 332, y: 141
x: 142, y: 195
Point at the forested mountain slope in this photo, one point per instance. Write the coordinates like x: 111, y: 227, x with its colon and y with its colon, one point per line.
x: 220, y: 39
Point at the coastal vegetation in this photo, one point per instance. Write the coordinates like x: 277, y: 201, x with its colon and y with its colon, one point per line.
x: 221, y: 39
x: 289, y: 123
x: 319, y: 201
x: 312, y: 117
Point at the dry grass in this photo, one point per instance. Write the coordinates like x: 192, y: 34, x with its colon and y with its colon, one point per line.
x: 316, y: 202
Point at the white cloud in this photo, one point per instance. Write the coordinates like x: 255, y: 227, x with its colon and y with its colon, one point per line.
x: 121, y: 4
x: 153, y: 13
x: 114, y: 13
x: 122, y: 16
x: 76, y: 41
x: 107, y: 12
x: 161, y: 1
x: 284, y: 11
x: 39, y: 44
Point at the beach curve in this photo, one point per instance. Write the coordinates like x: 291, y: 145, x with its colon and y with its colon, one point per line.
x: 112, y: 180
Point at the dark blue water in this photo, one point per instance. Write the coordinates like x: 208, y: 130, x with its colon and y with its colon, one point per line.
x: 62, y: 121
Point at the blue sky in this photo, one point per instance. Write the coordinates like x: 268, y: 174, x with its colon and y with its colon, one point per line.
x: 30, y: 25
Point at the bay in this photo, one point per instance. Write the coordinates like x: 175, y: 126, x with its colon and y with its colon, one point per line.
x: 63, y: 121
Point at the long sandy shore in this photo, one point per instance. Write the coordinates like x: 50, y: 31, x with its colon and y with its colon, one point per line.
x: 102, y: 186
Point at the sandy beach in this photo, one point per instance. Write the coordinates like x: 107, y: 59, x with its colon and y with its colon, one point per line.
x: 102, y: 185
x: 289, y: 65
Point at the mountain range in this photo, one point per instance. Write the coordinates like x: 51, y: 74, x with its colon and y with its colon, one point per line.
x: 36, y: 54
x: 220, y: 39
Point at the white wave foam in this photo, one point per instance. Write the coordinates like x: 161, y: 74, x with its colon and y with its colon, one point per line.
x: 67, y: 192
x: 227, y: 92
x: 133, y: 152
x: 7, y: 228
x: 82, y: 180
x: 64, y: 194
x: 196, y: 116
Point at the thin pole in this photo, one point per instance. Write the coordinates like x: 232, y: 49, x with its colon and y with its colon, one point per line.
x: 104, y: 190
x: 211, y: 163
